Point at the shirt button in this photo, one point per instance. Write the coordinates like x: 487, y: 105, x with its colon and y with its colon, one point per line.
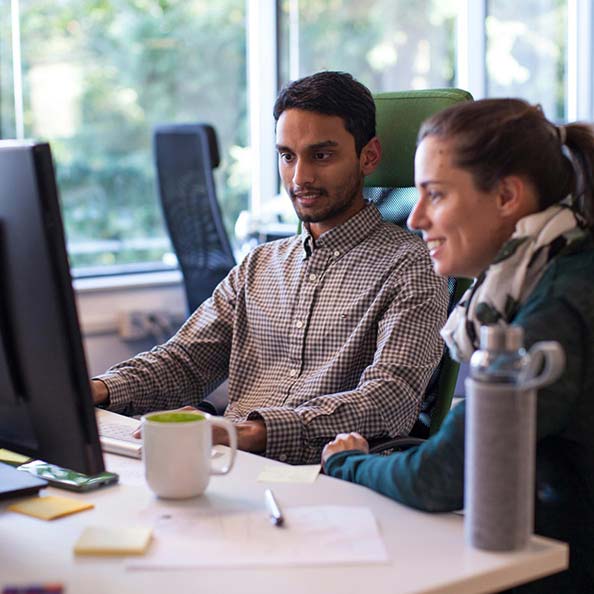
x: 312, y: 277
x: 336, y: 253
x: 299, y: 324
x: 282, y: 457
x: 293, y: 372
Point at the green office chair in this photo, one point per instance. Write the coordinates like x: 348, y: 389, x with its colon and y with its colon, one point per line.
x: 391, y: 188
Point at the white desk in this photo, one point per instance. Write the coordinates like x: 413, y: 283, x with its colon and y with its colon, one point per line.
x: 427, y: 551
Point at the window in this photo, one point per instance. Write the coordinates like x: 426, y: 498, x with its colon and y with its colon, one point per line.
x: 97, y: 76
x: 389, y: 45
x: 527, y: 52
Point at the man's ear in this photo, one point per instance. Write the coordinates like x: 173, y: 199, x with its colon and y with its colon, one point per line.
x: 371, y: 155
x: 511, y: 196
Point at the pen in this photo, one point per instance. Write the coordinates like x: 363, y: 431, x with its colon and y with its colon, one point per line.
x: 276, y: 516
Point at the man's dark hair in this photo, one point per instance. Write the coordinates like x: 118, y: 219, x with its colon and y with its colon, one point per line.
x: 334, y: 94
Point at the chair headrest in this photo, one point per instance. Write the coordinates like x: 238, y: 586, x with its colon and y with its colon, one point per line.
x: 399, y: 116
x: 205, y: 132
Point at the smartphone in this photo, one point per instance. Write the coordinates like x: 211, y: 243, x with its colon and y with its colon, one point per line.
x: 62, y: 478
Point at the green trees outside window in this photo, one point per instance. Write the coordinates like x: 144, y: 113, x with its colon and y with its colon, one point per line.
x: 97, y: 75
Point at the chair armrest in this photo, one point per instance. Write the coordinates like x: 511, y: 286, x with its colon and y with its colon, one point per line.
x: 396, y: 443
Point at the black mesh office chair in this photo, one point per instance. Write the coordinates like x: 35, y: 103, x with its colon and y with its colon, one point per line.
x: 391, y: 188
x: 185, y: 156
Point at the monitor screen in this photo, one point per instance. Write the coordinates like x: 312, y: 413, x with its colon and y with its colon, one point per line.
x: 46, y: 408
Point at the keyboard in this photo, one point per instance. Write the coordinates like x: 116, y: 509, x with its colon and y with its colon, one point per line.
x: 115, y: 434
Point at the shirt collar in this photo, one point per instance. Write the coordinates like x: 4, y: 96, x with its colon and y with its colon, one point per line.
x: 346, y: 236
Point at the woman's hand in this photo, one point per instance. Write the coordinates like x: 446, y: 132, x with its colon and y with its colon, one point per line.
x: 344, y: 442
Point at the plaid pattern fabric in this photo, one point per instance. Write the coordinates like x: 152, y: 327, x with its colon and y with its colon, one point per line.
x: 315, y: 341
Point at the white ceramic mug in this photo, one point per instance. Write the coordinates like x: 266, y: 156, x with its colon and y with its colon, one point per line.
x: 177, y: 452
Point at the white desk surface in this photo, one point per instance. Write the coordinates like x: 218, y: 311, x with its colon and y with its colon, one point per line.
x: 427, y: 551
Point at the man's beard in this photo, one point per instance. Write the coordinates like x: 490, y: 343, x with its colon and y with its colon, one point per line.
x: 345, y: 196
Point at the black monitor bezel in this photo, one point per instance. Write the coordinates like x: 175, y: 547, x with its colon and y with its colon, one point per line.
x: 51, y: 396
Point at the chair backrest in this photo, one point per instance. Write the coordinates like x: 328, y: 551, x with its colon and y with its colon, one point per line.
x: 391, y: 188
x: 185, y: 156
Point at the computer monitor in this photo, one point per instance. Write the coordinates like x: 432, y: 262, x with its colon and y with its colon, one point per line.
x: 46, y: 408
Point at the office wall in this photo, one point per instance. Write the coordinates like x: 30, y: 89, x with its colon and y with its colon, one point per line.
x: 100, y: 310
x: 104, y: 350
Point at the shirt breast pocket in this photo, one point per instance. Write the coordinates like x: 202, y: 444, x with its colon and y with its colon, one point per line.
x: 349, y: 323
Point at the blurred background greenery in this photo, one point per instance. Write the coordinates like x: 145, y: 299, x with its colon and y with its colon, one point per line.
x: 97, y: 75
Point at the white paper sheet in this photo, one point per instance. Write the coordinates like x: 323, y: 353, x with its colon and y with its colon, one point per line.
x: 311, y: 535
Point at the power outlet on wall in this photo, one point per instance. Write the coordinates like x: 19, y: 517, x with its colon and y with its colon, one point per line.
x: 158, y: 324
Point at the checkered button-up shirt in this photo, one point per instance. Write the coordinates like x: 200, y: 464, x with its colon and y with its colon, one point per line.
x: 315, y: 338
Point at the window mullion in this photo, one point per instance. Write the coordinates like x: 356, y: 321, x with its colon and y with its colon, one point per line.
x: 262, y: 90
x: 17, y: 69
x: 471, y: 47
x: 579, y: 60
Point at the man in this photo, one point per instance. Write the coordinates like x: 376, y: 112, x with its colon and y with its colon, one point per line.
x: 335, y: 330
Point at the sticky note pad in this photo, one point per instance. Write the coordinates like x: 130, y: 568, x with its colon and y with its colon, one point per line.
x: 12, y: 457
x: 289, y: 474
x: 50, y: 507
x: 104, y: 540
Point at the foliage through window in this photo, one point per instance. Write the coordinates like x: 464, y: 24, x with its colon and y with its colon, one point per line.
x: 527, y: 52
x: 389, y: 45
x: 97, y: 76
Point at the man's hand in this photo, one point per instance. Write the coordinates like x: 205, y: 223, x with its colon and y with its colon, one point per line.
x: 344, y: 442
x: 251, y: 435
x: 99, y: 391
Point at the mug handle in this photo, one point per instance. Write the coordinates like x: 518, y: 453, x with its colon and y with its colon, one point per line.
x: 232, y: 433
x: 547, y: 362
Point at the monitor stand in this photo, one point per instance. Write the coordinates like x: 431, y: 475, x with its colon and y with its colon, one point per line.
x: 16, y: 483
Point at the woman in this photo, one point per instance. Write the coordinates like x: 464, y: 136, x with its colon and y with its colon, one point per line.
x: 506, y: 197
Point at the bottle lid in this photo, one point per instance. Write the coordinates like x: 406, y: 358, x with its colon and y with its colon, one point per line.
x: 502, y: 338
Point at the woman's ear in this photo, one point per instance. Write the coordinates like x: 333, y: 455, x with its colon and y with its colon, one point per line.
x: 513, y: 197
x: 371, y: 155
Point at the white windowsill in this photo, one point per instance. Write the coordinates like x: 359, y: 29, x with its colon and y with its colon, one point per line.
x: 127, y: 281
x: 101, y: 301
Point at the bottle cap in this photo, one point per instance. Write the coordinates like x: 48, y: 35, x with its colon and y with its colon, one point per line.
x: 502, y: 338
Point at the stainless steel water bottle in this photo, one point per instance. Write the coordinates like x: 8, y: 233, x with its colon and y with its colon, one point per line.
x: 501, y: 436
x: 502, y: 357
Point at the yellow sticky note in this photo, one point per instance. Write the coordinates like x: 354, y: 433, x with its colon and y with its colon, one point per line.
x: 104, y: 540
x: 289, y: 474
x: 50, y: 507
x: 12, y: 457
